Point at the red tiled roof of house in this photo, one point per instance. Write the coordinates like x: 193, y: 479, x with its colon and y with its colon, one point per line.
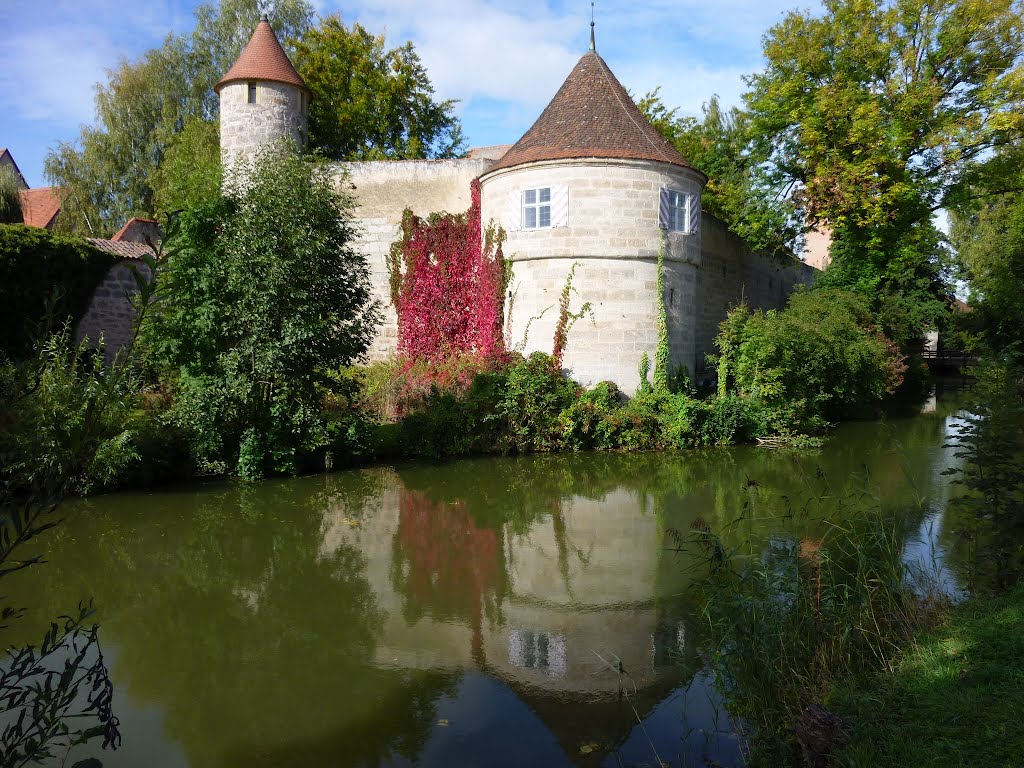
x: 592, y: 115
x: 121, y: 248
x: 262, y: 59
x: 40, y: 206
x: 137, y: 229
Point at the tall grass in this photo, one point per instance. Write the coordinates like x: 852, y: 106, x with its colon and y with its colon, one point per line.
x: 788, y: 617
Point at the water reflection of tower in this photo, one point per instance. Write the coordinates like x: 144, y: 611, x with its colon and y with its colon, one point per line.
x: 549, y: 605
x: 584, y: 600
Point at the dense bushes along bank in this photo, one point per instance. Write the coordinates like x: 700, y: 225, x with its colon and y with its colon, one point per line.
x: 784, y: 375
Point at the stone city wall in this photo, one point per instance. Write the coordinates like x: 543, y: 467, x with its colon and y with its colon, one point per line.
x: 731, y: 272
x: 382, y: 191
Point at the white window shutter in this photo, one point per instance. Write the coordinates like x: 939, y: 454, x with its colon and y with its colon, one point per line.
x: 663, y: 213
x: 560, y: 206
x: 514, y: 214
x: 694, y: 202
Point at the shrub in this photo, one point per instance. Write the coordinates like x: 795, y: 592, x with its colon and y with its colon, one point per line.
x: 536, y: 393
x: 265, y: 293
x: 639, y: 424
x: 585, y: 421
x: 819, y: 359
x: 66, y: 414
x: 727, y: 420
x: 37, y: 266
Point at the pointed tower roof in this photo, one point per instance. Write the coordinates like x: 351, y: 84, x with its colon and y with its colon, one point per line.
x: 592, y: 115
x: 263, y: 58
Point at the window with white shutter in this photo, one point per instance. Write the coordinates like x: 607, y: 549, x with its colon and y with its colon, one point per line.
x: 537, y: 208
x: 678, y: 211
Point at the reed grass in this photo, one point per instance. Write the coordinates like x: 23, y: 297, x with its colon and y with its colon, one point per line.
x: 827, y: 598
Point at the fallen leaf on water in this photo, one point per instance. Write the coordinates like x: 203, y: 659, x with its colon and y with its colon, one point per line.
x: 442, y: 722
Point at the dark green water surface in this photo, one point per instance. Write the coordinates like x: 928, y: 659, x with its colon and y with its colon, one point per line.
x: 472, y: 613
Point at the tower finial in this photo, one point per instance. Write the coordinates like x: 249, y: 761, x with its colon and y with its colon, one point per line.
x: 593, y: 46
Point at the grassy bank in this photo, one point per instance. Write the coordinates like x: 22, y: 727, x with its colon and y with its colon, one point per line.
x: 955, y: 697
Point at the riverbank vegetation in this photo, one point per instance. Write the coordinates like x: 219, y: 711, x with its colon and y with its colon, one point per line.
x: 843, y: 649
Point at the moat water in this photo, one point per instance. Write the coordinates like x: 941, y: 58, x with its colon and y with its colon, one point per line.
x: 490, y: 612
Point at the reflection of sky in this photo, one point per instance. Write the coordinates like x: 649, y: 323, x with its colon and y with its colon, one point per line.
x: 707, y: 731
x: 486, y: 724
x: 923, y: 553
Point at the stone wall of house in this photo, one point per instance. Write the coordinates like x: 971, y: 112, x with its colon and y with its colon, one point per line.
x: 110, y: 314
x: 612, y: 234
x: 730, y: 272
x: 382, y: 191
x: 244, y: 128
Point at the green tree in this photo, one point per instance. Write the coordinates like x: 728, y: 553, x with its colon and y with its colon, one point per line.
x: 10, y: 196
x: 266, y: 293
x: 879, y: 110
x: 879, y: 107
x: 991, y: 248
x: 111, y: 172
x: 369, y: 102
x: 190, y: 174
x: 739, y: 192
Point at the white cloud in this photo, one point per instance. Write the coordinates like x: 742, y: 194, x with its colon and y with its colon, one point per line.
x: 515, y: 52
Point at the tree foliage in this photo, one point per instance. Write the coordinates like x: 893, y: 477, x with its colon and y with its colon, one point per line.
x: 369, y: 102
x: 190, y: 173
x: 879, y: 107
x: 111, y: 172
x: 264, y: 294
x: 739, y: 192
x: 991, y: 247
x: 879, y: 111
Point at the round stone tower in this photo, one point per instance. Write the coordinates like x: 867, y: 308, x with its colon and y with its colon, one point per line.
x: 262, y: 99
x: 593, y: 189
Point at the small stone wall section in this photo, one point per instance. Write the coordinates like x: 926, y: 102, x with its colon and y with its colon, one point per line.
x: 110, y: 315
x: 382, y: 191
x: 244, y: 128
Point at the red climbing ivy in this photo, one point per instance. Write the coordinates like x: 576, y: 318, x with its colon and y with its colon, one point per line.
x: 448, y: 281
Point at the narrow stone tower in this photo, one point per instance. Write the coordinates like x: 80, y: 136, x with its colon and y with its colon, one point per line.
x: 262, y: 99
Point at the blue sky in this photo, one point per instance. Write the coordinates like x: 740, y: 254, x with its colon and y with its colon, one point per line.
x: 502, y: 59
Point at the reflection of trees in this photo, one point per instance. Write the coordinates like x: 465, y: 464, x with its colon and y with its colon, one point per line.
x: 986, y: 524
x: 253, y: 640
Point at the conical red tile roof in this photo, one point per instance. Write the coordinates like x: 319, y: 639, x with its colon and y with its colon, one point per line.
x: 592, y: 115
x: 262, y: 59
